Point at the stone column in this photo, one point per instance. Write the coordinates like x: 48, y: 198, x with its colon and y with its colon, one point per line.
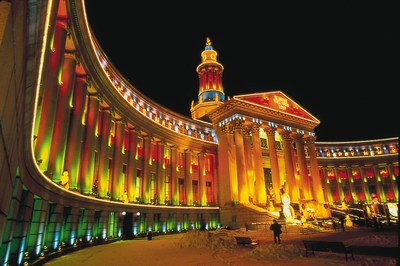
x: 276, y: 181
x: 365, y: 187
x: 381, y: 195
x: 251, y: 176
x: 260, y: 189
x: 228, y: 180
x: 291, y: 186
x: 103, y: 173
x: 304, y: 183
x: 188, y: 178
x: 46, y: 113
x: 62, y: 118
x: 215, y: 183
x: 146, y: 169
x: 316, y: 180
x: 202, y: 181
x: 174, y: 176
x: 117, y: 188
x: 75, y: 135
x: 351, y: 185
x: 326, y: 186
x: 339, y: 184
x: 132, y: 171
x: 393, y: 181
x: 241, y: 161
x: 89, y: 145
x: 160, y: 189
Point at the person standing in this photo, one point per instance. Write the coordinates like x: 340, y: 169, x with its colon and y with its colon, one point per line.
x: 277, y: 230
x: 334, y: 225
x: 342, y: 221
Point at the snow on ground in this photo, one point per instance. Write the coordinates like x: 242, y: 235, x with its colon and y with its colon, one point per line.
x: 219, y: 248
x: 224, y: 240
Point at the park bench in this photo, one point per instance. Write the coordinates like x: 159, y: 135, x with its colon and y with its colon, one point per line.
x: 327, y: 246
x: 246, y: 241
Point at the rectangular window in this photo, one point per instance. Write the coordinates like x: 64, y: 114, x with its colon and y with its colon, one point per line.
x: 195, y: 162
x: 278, y: 145
x: 264, y: 143
x: 268, y: 176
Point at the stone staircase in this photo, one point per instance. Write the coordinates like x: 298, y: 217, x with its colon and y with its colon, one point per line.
x: 247, y: 216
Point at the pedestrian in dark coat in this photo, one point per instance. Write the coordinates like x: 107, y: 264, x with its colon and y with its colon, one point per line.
x: 342, y: 223
x: 277, y: 230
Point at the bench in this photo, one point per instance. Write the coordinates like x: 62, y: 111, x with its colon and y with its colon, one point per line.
x: 327, y: 246
x: 246, y: 241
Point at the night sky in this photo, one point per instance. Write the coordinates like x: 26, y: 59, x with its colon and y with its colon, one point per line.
x: 336, y: 59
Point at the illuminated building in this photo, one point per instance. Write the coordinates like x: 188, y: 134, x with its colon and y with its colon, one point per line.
x: 87, y: 157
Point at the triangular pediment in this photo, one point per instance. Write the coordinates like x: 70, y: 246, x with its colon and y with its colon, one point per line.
x: 277, y: 101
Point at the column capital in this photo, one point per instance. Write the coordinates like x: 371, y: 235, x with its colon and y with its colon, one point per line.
x: 106, y: 109
x: 298, y: 137
x: 70, y: 55
x: 96, y: 96
x: 247, y: 130
x: 270, y: 131
x: 227, y: 129
x: 255, y: 127
x: 286, y: 134
x: 121, y: 121
x: 83, y: 77
x: 310, y: 140
x: 237, y: 124
x: 62, y: 22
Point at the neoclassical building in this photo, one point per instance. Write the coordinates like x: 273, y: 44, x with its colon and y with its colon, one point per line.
x: 86, y: 157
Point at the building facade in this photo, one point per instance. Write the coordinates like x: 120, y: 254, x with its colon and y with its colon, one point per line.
x: 87, y: 157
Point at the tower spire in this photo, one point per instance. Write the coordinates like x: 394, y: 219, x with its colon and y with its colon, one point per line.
x: 211, y: 93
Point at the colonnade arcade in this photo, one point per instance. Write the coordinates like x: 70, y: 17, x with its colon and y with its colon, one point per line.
x: 245, y: 163
x: 106, y: 157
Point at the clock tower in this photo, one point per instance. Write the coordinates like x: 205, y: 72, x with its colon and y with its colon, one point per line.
x: 211, y: 92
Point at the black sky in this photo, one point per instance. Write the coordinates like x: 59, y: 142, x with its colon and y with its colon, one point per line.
x: 336, y: 59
